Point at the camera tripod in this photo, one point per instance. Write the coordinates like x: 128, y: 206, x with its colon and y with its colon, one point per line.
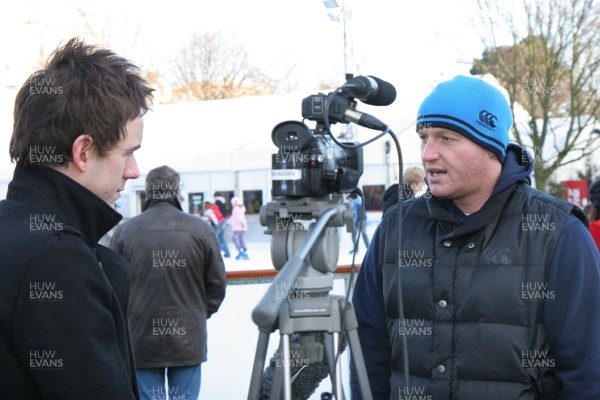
x: 298, y: 302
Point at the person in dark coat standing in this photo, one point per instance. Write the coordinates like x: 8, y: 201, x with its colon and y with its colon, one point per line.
x: 63, y: 297
x: 178, y: 283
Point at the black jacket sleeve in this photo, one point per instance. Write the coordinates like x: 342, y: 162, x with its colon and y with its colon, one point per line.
x: 69, y: 327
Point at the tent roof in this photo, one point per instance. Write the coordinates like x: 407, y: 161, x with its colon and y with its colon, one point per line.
x: 236, y: 133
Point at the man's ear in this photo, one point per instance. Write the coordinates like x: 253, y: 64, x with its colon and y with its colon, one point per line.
x: 83, y: 151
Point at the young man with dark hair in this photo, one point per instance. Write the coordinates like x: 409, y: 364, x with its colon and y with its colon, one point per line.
x: 63, y: 297
x: 500, y: 282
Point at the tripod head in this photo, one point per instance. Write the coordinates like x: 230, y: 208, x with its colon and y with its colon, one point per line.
x: 305, y: 252
x: 289, y: 221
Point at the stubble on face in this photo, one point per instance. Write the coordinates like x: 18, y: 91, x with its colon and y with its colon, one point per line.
x: 458, y: 169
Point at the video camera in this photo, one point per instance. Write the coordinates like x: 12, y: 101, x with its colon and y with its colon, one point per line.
x: 310, y: 162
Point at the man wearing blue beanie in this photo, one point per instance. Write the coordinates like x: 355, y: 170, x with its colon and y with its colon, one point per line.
x: 500, y: 282
x: 472, y: 108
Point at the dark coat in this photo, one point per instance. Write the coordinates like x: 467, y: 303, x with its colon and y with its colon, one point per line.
x: 390, y: 197
x: 463, y: 289
x: 502, y: 304
x: 178, y: 282
x: 63, y: 297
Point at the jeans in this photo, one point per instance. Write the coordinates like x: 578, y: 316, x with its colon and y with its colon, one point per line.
x: 239, y: 241
x: 220, y: 232
x: 183, y: 383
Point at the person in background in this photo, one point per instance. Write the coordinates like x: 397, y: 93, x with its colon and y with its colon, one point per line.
x: 594, y: 194
x: 217, y: 219
x: 64, y: 332
x: 413, y: 181
x: 239, y: 225
x: 590, y: 212
x: 500, y: 282
x: 178, y: 283
x: 220, y: 202
x: 360, y: 223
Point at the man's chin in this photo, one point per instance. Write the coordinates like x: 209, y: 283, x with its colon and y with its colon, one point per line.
x: 437, y: 191
x: 442, y: 194
x: 113, y: 202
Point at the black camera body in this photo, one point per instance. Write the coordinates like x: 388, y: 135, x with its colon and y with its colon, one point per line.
x: 310, y: 163
x: 313, y: 107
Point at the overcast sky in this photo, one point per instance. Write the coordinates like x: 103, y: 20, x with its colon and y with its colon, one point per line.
x: 412, y: 45
x: 385, y: 37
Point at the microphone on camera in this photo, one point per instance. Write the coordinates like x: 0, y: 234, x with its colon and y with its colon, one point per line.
x: 370, y: 90
x: 339, y: 106
x: 364, y: 119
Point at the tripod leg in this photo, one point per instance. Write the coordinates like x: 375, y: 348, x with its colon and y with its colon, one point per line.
x: 333, y: 360
x: 357, y: 358
x: 287, y: 367
x: 337, y: 382
x: 329, y: 352
x: 276, y: 389
x: 259, y: 363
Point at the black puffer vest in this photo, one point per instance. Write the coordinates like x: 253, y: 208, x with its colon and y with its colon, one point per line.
x: 473, y: 297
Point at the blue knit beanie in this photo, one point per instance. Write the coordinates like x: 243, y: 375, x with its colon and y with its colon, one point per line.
x: 471, y: 107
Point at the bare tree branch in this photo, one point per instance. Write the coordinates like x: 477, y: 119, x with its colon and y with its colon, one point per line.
x: 552, y: 70
x: 215, y: 66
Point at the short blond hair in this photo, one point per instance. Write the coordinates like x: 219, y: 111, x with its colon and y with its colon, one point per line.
x: 413, y: 175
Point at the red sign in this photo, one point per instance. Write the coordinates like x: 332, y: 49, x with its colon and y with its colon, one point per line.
x: 577, y: 192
